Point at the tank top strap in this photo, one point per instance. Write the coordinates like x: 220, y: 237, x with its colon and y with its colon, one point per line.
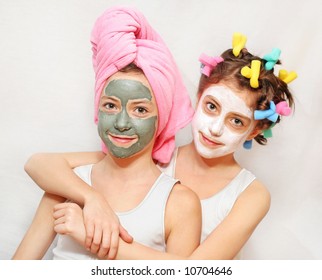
x: 243, y: 179
x: 157, y: 195
x: 161, y: 190
x: 218, y: 206
x: 234, y: 189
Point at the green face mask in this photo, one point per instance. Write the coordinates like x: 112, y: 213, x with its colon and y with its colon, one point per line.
x: 123, y: 132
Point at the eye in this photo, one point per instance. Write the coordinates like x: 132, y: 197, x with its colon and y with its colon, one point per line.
x: 110, y: 107
x: 140, y: 110
x: 211, y: 106
x: 237, y: 122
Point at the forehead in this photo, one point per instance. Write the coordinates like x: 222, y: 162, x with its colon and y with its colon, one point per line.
x: 231, y: 100
x: 127, y: 89
x: 134, y: 81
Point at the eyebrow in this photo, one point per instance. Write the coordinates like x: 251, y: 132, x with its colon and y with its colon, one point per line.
x: 213, y: 99
x: 241, y: 116
x: 219, y: 105
x: 139, y: 101
x: 111, y: 97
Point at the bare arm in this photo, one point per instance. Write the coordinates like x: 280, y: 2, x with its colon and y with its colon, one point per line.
x: 183, y: 219
x: 137, y: 251
x: 184, y: 216
x: 231, y: 235
x: 54, y: 174
x: 69, y: 221
x: 226, y: 240
x: 41, y: 232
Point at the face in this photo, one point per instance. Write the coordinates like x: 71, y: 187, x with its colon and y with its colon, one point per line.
x: 127, y: 117
x: 222, y: 121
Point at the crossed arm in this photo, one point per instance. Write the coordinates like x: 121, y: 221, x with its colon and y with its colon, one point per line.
x: 223, y: 243
x: 183, y: 224
x: 220, y: 244
x: 69, y: 220
x: 183, y: 220
x: 101, y: 223
x: 226, y: 240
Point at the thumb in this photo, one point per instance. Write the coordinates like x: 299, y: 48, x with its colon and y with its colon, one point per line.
x: 125, y: 235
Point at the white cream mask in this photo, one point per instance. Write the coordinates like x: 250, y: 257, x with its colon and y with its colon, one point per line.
x: 222, y: 122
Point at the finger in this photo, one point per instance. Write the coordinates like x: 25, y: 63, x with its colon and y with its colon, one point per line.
x: 60, y: 220
x: 105, y: 245
x: 114, y: 246
x: 125, y: 235
x: 61, y: 229
x: 89, y: 234
x: 97, y: 239
x: 103, y: 250
x: 59, y: 213
x: 94, y: 248
x: 60, y: 206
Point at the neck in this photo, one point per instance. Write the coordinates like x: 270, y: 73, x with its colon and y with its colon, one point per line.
x: 129, y: 168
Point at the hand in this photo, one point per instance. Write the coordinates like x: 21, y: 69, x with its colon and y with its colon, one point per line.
x: 69, y: 220
x: 103, y: 228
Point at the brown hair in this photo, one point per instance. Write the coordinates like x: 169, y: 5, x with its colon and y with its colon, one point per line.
x: 132, y: 68
x: 271, y: 88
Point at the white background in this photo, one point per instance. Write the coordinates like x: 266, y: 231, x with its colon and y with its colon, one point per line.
x: 46, y: 101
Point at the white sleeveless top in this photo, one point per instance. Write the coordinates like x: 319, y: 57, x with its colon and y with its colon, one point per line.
x: 216, y: 207
x: 145, y: 222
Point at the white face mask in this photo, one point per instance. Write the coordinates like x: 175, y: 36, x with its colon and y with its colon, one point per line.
x: 222, y: 122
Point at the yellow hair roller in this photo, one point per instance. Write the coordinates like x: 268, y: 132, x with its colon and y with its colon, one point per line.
x: 252, y: 73
x: 287, y: 77
x: 239, y: 41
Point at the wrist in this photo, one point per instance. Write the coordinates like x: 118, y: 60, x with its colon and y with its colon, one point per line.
x: 92, y: 196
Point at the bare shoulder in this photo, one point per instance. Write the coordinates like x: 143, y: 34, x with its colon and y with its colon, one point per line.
x: 257, y: 197
x: 182, y: 196
x: 183, y: 203
x: 258, y: 190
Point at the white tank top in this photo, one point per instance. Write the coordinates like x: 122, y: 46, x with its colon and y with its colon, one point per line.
x: 216, y: 207
x: 145, y: 222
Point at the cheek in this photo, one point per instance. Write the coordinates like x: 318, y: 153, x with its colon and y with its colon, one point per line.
x: 201, y: 120
x: 105, y: 121
x: 146, y: 127
x: 233, y: 139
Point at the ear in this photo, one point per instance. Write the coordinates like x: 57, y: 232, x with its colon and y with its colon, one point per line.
x: 254, y: 133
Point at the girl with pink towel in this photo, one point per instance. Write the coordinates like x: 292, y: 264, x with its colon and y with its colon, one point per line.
x: 140, y: 104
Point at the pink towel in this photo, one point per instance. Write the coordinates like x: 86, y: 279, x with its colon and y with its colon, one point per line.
x: 122, y: 35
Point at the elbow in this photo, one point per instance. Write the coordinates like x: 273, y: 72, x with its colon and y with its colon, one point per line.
x: 32, y: 163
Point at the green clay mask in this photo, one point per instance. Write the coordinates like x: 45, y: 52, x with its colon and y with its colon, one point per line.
x: 127, y: 117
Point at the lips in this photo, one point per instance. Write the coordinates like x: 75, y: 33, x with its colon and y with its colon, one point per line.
x: 209, y: 142
x: 122, y: 140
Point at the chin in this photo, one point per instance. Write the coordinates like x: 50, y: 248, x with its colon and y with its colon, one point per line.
x: 211, y: 153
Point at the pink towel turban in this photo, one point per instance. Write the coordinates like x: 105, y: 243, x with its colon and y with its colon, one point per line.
x: 122, y: 35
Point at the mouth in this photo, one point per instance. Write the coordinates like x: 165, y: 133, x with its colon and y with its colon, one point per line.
x: 123, y: 141
x: 209, y: 142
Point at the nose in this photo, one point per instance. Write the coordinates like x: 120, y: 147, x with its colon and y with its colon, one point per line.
x: 122, y: 122
x: 217, y: 127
